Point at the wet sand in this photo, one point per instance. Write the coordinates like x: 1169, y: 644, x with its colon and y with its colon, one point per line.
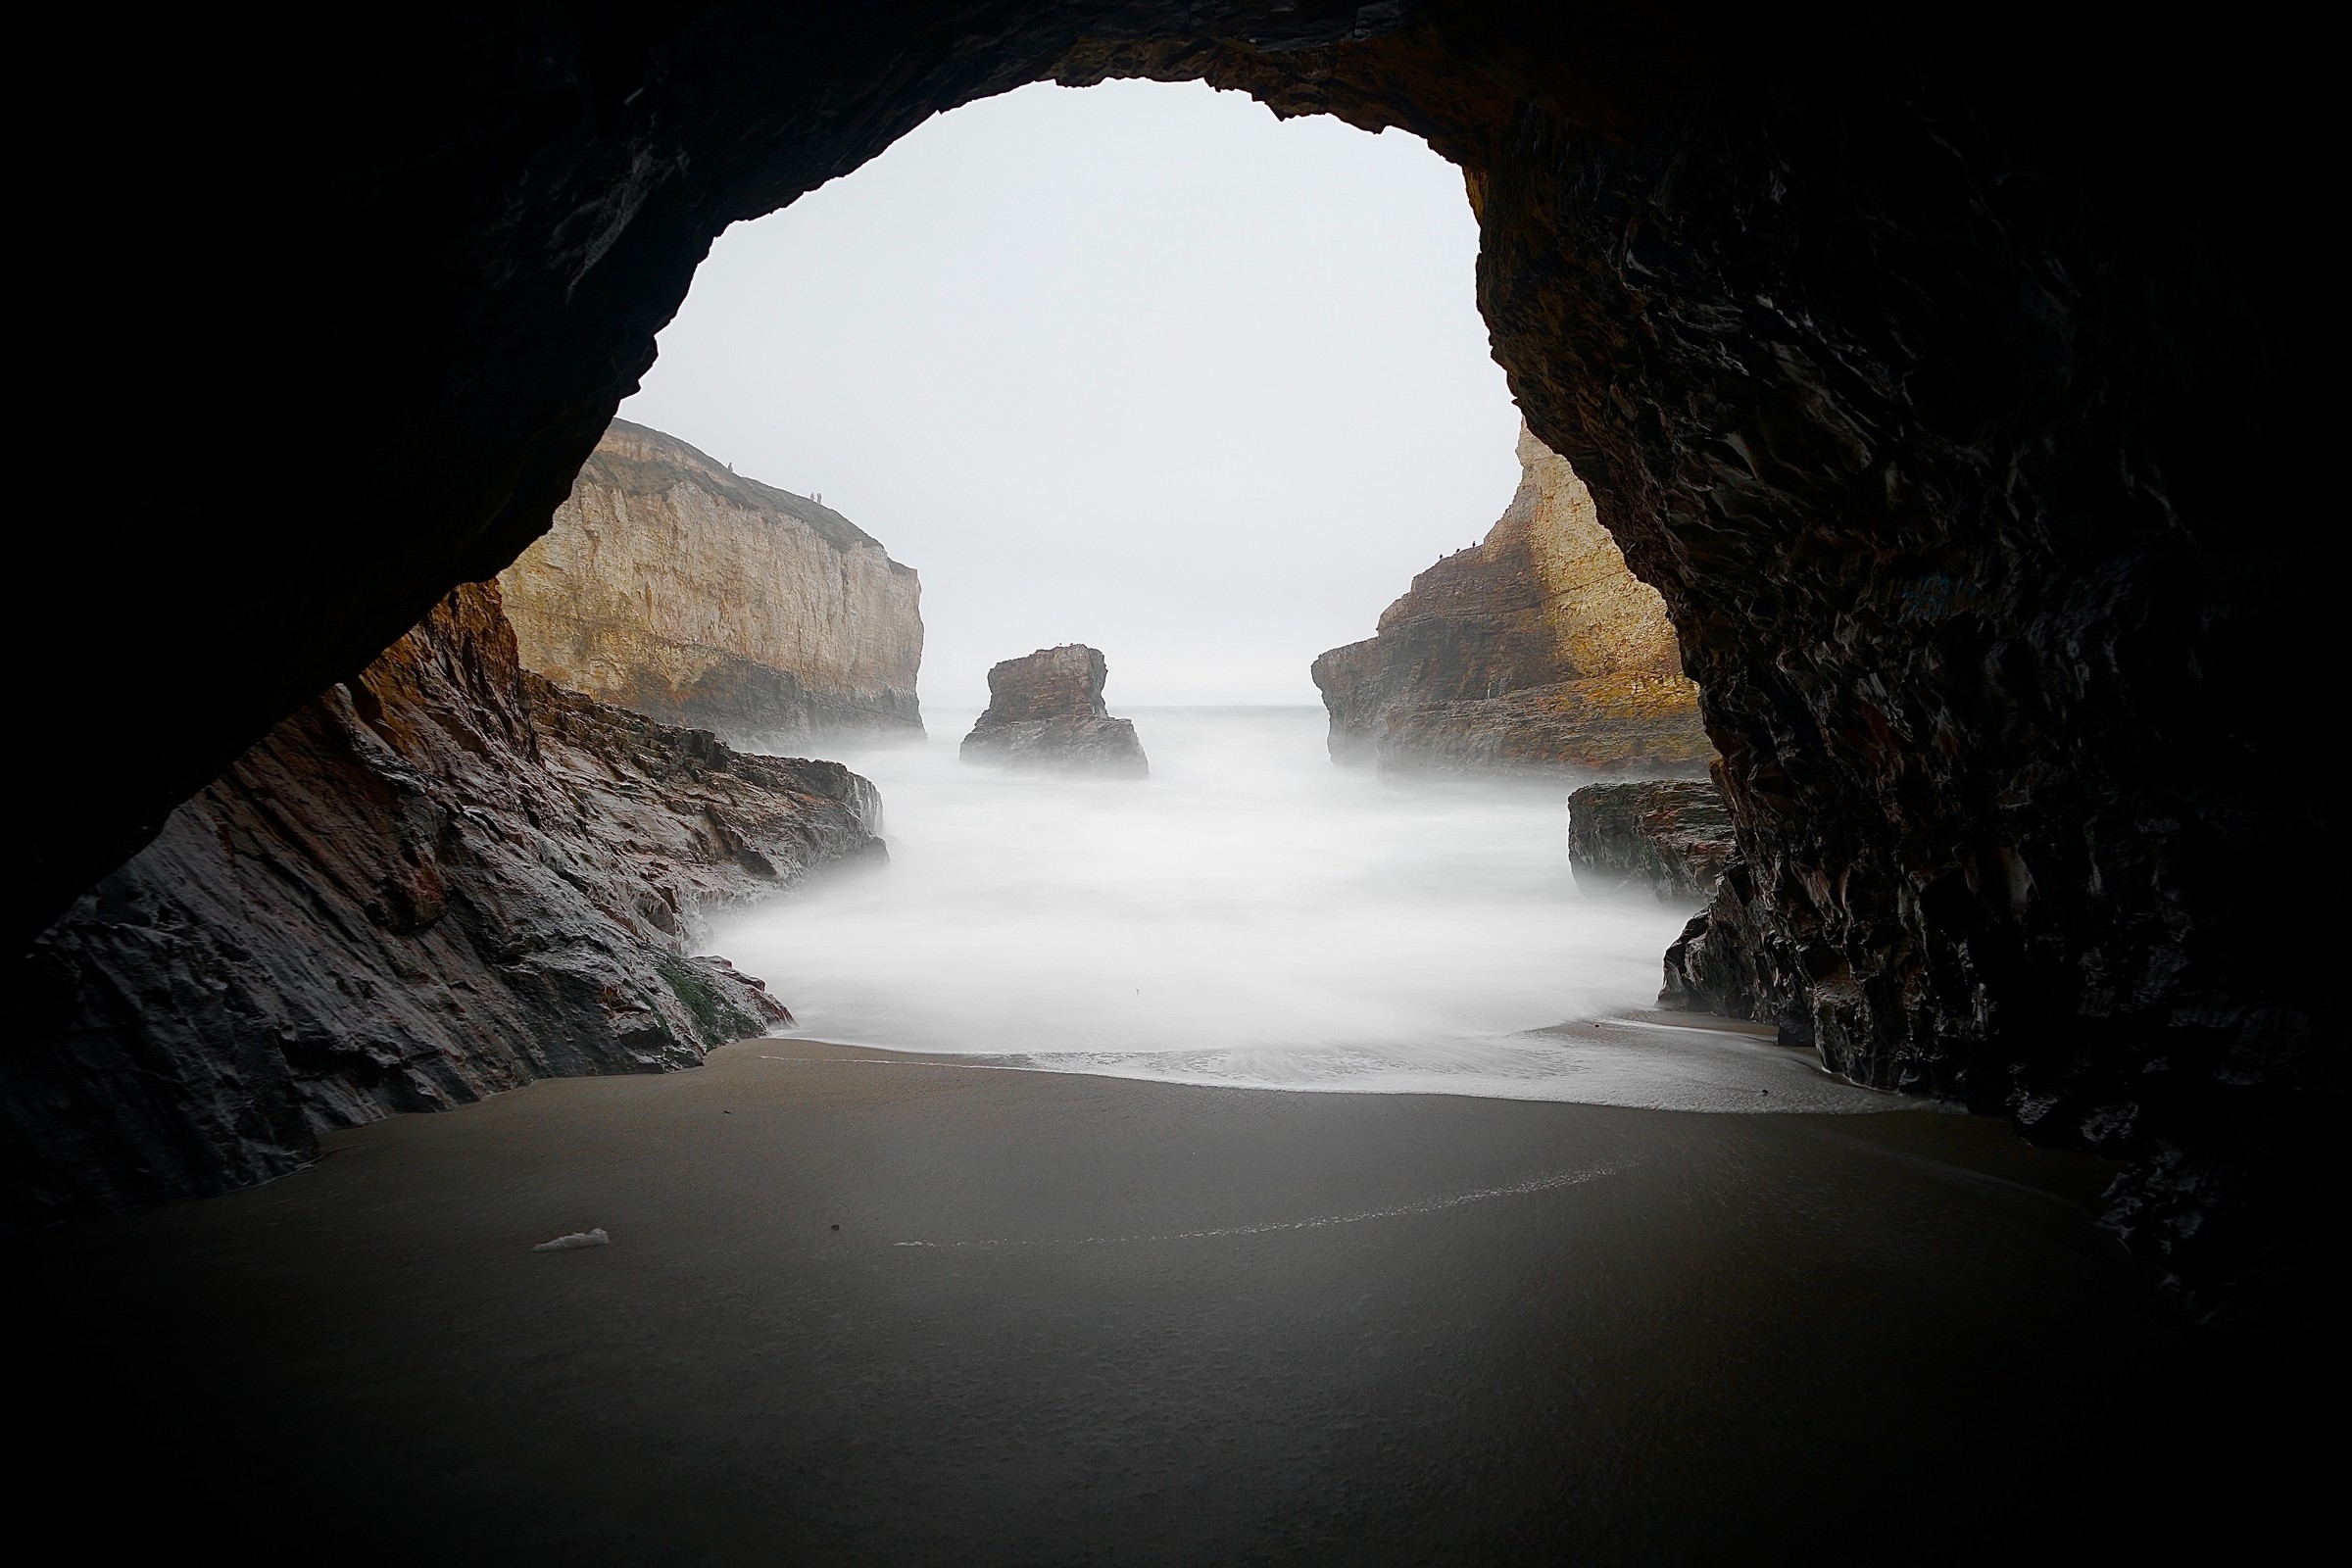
x: 1144, y: 1323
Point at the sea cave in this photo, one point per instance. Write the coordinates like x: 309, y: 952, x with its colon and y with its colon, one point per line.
x: 1947, y: 377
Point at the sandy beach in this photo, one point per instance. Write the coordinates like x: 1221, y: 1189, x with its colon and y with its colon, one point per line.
x: 1084, y: 1319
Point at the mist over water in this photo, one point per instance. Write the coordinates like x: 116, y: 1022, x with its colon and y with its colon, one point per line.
x: 1249, y: 915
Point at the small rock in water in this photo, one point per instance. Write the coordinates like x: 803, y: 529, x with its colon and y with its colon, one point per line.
x: 565, y: 1244
x: 1045, y: 712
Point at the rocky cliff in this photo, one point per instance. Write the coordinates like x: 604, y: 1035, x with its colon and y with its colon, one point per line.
x: 442, y: 878
x: 1045, y: 712
x: 671, y: 585
x: 1668, y: 838
x: 1534, y: 649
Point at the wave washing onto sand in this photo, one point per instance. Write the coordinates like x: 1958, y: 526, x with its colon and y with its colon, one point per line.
x: 1610, y: 1061
x: 1435, y: 1205
x: 1606, y: 1066
x: 1249, y: 915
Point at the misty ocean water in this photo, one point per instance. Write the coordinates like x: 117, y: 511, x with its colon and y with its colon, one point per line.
x: 1249, y: 916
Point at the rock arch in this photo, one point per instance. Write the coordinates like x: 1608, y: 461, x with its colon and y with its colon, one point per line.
x: 1943, y: 374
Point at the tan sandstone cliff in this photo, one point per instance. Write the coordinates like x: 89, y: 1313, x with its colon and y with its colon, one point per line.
x: 1535, y: 648
x: 674, y: 586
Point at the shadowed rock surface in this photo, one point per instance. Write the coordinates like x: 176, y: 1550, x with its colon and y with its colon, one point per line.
x: 1725, y: 962
x: 674, y: 586
x: 1535, y: 650
x: 1045, y: 712
x: 1669, y: 837
x: 1958, y: 398
x: 443, y: 878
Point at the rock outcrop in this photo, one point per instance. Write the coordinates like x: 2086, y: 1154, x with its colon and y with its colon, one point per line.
x: 1729, y: 962
x: 1045, y: 712
x: 1534, y: 650
x: 442, y: 878
x: 671, y: 585
x: 1670, y: 838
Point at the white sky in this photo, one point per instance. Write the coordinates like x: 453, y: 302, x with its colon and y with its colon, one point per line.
x: 1138, y: 366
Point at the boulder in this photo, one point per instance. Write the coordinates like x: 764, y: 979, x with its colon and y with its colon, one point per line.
x: 1045, y: 712
x: 1670, y: 838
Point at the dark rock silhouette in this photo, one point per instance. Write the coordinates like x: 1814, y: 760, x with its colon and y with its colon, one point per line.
x: 1670, y: 837
x: 1725, y: 962
x: 442, y: 878
x: 1045, y: 712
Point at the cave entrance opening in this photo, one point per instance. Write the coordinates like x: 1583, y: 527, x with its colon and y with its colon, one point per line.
x: 1143, y: 366
x: 1136, y: 365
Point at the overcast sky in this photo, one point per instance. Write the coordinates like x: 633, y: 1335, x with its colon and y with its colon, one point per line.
x: 1138, y: 366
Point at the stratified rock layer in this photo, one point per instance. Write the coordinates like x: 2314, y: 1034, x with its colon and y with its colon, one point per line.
x: 1045, y: 712
x: 1670, y: 838
x: 671, y: 585
x: 443, y: 878
x: 1536, y: 649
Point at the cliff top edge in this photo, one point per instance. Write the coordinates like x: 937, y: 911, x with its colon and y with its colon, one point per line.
x: 629, y: 446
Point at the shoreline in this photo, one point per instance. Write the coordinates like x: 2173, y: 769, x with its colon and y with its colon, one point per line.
x: 1365, y: 1328
x: 1983, y: 1146
x: 1717, y: 1066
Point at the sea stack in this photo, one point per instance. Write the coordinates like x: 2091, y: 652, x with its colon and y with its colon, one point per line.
x: 1536, y: 650
x: 670, y: 584
x: 1045, y: 712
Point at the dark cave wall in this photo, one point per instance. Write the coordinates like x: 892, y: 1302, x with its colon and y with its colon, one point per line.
x: 1947, y: 374
x: 1916, y: 431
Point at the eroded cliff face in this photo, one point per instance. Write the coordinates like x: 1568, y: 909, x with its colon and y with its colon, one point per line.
x: 670, y: 585
x: 443, y: 878
x: 1534, y: 650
